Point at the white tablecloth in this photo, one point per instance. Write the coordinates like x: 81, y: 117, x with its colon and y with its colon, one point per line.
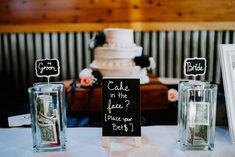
x: 157, y: 141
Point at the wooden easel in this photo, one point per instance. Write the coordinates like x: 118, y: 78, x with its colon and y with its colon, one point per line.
x: 106, y: 141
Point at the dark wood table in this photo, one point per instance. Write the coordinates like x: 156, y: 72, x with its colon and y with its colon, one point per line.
x: 153, y: 97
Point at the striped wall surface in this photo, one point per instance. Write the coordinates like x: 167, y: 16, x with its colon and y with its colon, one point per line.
x: 18, y: 52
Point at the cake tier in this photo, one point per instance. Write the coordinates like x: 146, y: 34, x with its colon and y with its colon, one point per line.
x: 115, y: 57
x: 119, y: 35
x: 117, y: 53
x: 112, y: 63
x: 125, y: 71
x: 119, y: 45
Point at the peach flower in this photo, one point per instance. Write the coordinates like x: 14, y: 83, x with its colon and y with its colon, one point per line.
x: 172, y: 95
x: 87, y: 81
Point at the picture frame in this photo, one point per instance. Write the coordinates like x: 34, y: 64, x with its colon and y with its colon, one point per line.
x: 227, y: 62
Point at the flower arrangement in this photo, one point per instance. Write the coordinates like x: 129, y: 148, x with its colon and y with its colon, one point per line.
x: 89, y: 77
x: 97, y: 40
x: 145, y: 62
x: 86, y: 77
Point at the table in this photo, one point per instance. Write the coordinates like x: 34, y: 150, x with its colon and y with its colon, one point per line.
x: 157, y: 141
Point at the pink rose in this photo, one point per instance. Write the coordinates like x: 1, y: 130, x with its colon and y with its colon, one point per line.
x: 87, y: 81
x: 172, y: 95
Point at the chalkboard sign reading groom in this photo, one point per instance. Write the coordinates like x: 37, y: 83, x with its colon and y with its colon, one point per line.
x: 121, y: 107
x: 47, y: 67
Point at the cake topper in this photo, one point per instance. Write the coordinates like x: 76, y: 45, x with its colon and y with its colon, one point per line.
x: 194, y: 66
x: 47, y: 68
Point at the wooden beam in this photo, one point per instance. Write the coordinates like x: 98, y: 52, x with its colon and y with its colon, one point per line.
x: 118, y: 11
x: 94, y: 15
x: 137, y: 26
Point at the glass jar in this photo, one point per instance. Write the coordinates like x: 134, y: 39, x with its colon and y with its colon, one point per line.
x: 196, y: 115
x: 48, y: 116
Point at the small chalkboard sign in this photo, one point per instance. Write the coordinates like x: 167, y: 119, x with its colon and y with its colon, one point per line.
x: 194, y: 66
x: 47, y: 67
x: 121, y: 107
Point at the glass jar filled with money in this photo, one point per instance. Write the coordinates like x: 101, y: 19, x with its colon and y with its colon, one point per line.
x: 197, y: 115
x: 48, y: 116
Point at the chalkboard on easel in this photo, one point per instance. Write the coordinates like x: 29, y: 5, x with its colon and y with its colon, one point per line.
x: 121, y: 107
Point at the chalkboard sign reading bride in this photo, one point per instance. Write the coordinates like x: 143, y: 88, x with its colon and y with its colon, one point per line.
x: 194, y: 66
x: 121, y: 107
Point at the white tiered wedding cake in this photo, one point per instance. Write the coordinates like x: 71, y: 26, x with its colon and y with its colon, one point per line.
x: 115, y: 58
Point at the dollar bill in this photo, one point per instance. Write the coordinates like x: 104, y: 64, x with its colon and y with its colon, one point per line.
x: 48, y: 133
x: 47, y: 119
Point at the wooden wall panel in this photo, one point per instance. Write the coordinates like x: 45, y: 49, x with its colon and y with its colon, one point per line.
x: 44, y: 12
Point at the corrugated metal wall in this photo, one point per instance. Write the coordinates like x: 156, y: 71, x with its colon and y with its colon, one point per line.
x: 18, y: 52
